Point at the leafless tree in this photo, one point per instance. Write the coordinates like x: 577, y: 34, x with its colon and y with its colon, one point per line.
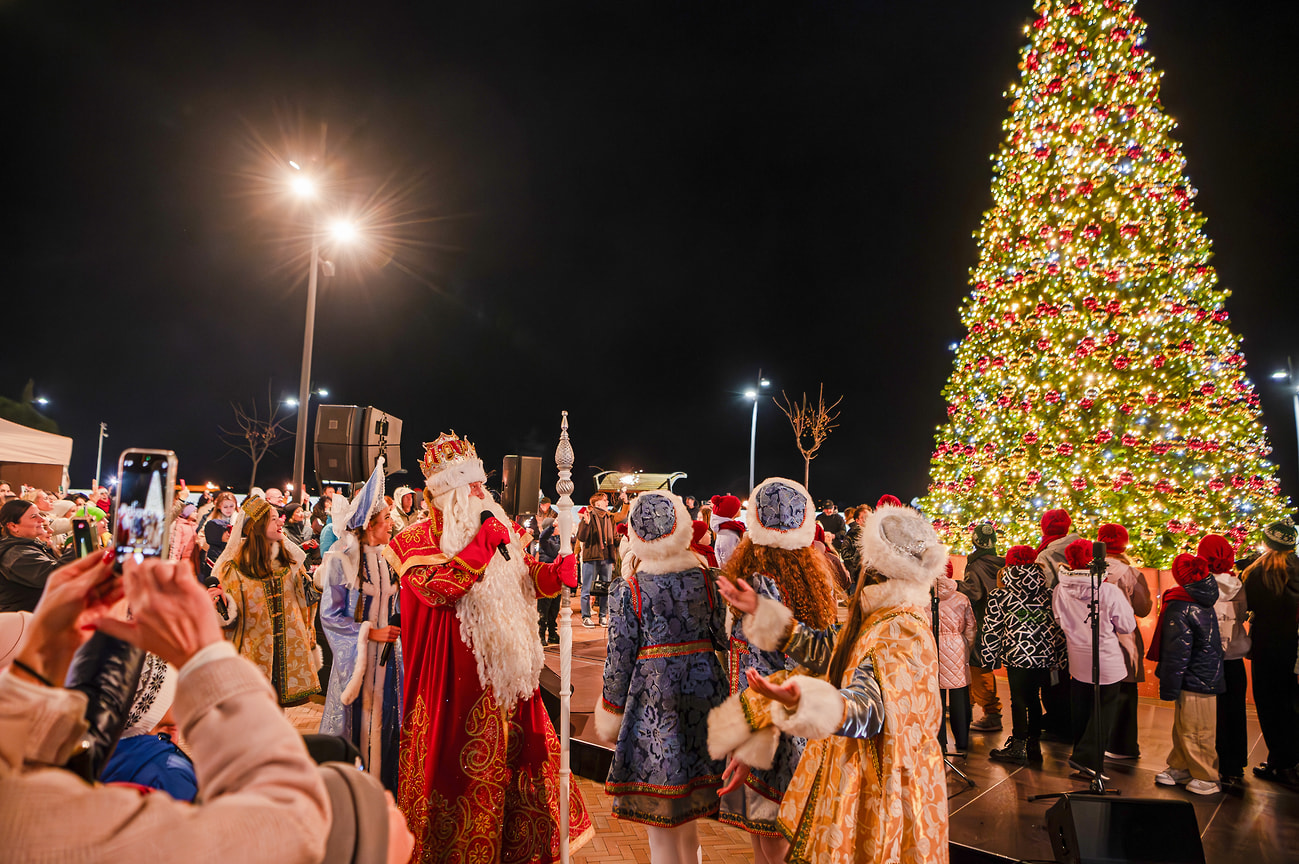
x: 811, y: 424
x: 254, y: 436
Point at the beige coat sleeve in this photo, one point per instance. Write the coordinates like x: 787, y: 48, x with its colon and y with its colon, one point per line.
x: 260, y: 796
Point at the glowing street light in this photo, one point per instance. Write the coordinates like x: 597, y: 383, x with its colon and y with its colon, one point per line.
x: 1292, y: 383
x: 343, y: 231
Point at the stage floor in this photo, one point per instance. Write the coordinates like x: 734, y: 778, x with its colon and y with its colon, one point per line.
x: 1260, y: 826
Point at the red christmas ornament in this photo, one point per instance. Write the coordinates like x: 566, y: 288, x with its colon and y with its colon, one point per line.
x: 1064, y: 448
x: 1126, y: 409
x: 1043, y: 344
x: 1078, y: 483
x: 1159, y: 448
x: 1086, y: 404
x: 1186, y: 345
x: 1174, y: 526
x: 1126, y: 477
x: 1111, y: 337
x: 1066, y: 236
x: 1157, y: 361
x: 1081, y: 262
x: 1216, y: 485
x: 1030, y: 437
x: 1164, y: 487
x: 1091, y: 303
x: 1129, y: 440
x: 1237, y: 481
x: 1091, y: 232
x: 1033, y: 476
x: 1052, y: 396
x: 1104, y: 436
x: 1207, y: 389
x: 1152, y: 398
x: 1220, y: 315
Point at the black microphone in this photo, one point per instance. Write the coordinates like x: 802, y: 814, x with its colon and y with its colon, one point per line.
x: 394, y: 620
x: 500, y: 547
x: 1098, y: 558
x: 213, y: 582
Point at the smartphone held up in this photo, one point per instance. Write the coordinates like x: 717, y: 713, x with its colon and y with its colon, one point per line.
x: 146, y: 479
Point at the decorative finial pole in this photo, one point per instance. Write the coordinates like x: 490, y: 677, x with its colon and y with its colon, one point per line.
x: 564, y: 462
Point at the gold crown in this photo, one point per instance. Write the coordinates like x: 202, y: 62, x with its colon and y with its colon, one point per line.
x: 255, y: 508
x: 448, y: 449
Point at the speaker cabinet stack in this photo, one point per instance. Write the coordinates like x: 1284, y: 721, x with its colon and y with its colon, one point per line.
x: 348, y: 441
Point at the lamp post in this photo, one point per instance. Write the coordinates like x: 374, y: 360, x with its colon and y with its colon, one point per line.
x: 564, y: 462
x: 1287, y: 375
x: 754, y: 393
x: 99, y: 457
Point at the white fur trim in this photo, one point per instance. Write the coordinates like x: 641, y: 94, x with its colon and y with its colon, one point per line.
x: 819, y: 713
x: 671, y: 552
x: 893, y: 593
x: 893, y: 562
x: 353, y: 688
x: 768, y: 627
x: 607, y: 724
x: 317, y: 658
x: 727, y: 728
x: 455, y: 476
x: 760, y: 750
x: 795, y: 538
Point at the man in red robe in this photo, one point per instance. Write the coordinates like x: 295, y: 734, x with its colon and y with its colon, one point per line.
x: 479, y: 762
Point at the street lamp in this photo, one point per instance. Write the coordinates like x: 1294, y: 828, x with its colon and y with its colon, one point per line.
x: 1287, y: 375
x: 343, y: 232
x: 753, y: 393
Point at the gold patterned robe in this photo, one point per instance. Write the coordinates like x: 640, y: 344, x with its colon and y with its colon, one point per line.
x: 275, y: 627
x: 884, y: 798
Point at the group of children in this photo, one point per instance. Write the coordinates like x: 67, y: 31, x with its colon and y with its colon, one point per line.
x: 1030, y: 612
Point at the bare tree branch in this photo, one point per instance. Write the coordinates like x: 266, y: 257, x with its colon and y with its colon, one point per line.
x: 252, y: 435
x: 812, y: 424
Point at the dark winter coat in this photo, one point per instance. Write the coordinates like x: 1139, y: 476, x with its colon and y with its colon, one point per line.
x: 24, y: 566
x: 979, y: 581
x: 1190, y: 650
x: 1019, y: 628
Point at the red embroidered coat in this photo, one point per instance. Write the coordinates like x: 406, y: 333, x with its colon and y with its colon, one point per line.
x: 477, y: 782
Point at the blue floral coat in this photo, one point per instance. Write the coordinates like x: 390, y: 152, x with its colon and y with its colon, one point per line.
x: 662, y: 675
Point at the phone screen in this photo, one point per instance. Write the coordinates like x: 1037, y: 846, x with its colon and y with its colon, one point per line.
x: 143, y: 491
x: 83, y: 537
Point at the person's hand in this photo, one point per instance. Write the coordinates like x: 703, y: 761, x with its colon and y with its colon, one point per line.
x: 568, y: 570
x: 735, y: 774
x: 738, y: 594
x: 385, y: 634
x: 493, y: 532
x: 400, y: 841
x: 786, y: 694
x: 77, y: 596
x: 171, y: 612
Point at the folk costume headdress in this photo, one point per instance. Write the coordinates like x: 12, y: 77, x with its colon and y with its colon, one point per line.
x: 900, y: 545
x: 350, y: 518
x: 781, y: 514
x: 659, y: 533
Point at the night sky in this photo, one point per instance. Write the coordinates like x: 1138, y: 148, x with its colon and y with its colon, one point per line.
x: 619, y: 209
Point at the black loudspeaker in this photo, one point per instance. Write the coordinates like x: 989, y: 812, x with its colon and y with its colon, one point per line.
x: 520, y: 486
x: 347, y: 443
x: 1091, y: 829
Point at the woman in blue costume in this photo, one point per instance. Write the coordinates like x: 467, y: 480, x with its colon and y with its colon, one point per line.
x: 661, y: 678
x: 358, y: 610
x: 777, y: 559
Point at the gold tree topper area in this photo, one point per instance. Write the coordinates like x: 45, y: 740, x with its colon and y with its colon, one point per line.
x: 811, y: 424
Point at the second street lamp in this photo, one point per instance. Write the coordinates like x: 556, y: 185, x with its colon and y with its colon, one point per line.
x: 755, y: 394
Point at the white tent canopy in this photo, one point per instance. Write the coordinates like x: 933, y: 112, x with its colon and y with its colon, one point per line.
x: 32, y: 446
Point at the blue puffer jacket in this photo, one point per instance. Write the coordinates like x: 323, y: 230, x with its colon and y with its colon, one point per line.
x: 1190, y: 651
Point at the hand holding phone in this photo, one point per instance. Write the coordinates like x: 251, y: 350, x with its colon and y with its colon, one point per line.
x: 142, y: 515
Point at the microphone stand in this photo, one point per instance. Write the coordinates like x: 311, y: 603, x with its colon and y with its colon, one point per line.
x: 942, y: 736
x: 1096, y: 776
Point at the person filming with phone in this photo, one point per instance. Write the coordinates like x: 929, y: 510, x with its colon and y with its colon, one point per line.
x: 26, y: 559
x: 262, y: 798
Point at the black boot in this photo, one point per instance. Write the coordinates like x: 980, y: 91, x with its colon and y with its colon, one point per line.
x: 1015, y: 752
x: 1033, y: 751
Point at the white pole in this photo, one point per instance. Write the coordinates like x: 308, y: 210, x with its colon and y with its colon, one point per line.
x: 99, y: 458
x: 304, y: 383
x: 564, y: 462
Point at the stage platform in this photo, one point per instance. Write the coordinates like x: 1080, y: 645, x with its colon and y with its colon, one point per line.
x: 995, y: 821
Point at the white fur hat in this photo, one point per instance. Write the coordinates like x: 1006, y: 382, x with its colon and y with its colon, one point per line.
x: 900, y: 544
x: 659, y: 530
x: 781, y: 514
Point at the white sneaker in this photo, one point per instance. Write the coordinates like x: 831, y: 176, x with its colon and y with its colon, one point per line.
x: 586, y: 622
x: 1203, y: 787
x: 1176, y: 777
x: 987, y: 723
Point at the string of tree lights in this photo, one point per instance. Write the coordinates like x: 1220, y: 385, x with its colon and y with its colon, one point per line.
x: 1100, y: 372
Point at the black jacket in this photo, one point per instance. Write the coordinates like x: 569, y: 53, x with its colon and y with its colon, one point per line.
x: 1190, y: 651
x: 1019, y: 628
x: 979, y: 582
x: 24, y: 566
x: 1272, y: 617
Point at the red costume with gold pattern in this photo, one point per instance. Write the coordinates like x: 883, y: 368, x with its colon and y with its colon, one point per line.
x: 478, y: 773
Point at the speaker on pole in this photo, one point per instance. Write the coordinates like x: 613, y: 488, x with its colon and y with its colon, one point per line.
x: 520, y: 486
x: 349, y: 439
x: 1090, y: 829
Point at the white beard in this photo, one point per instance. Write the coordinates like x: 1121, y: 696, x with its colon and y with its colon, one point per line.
x: 498, y: 616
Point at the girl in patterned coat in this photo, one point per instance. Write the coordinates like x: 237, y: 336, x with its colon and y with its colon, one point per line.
x: 661, y: 678
x: 779, y: 560
x: 870, y: 786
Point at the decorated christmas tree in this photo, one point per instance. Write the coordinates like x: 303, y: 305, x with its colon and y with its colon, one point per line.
x: 1100, y: 373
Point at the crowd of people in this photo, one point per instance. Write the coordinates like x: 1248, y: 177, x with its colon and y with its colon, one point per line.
x: 761, y: 655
